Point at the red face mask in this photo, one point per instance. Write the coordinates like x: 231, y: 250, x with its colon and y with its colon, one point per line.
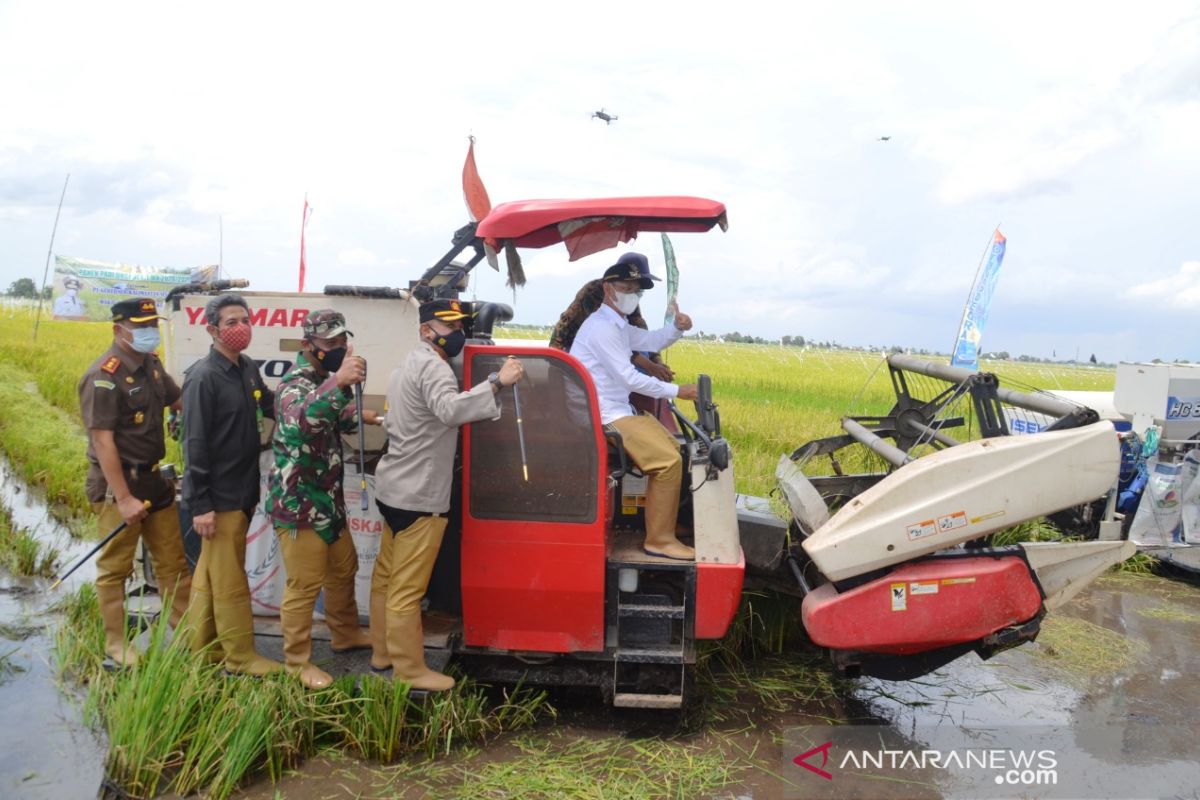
x: 236, y: 338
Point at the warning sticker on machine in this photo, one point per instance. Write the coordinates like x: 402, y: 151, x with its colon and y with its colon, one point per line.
x: 992, y: 515
x: 923, y: 588
x: 899, y: 597
x: 951, y: 521
x: 952, y: 581
x: 919, y: 530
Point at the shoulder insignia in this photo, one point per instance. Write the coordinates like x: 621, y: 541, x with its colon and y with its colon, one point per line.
x: 111, y: 365
x: 129, y: 379
x: 104, y: 384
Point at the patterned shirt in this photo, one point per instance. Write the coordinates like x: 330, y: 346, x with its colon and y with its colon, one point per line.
x: 305, y: 485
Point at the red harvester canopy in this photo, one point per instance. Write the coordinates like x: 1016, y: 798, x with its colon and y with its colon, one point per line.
x: 589, y: 226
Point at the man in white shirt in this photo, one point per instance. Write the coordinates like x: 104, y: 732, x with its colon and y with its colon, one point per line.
x: 604, y: 344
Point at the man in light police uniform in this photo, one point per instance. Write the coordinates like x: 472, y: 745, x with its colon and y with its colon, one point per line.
x: 604, y: 345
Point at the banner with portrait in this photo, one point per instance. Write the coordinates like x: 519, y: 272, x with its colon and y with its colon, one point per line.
x: 86, y: 290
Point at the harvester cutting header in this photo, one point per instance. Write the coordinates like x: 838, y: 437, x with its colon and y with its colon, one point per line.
x: 544, y: 579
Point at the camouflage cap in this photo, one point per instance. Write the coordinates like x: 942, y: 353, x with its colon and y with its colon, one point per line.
x: 325, y: 323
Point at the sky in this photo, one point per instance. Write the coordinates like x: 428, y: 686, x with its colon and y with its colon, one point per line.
x: 192, y: 134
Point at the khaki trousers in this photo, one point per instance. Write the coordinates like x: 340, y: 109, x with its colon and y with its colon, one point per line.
x: 220, y: 608
x: 312, y: 565
x: 656, y: 453
x: 164, y: 542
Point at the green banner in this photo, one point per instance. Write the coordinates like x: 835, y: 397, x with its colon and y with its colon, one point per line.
x: 86, y: 290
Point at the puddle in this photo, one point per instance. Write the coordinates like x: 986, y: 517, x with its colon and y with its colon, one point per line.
x: 45, y: 750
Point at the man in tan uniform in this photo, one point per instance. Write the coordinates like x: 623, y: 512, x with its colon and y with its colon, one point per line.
x: 121, y: 400
x: 412, y: 482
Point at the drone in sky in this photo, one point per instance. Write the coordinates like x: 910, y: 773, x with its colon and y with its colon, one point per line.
x: 608, y: 118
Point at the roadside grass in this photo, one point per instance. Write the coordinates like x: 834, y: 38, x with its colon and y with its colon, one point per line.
x: 21, y: 553
x: 177, y: 723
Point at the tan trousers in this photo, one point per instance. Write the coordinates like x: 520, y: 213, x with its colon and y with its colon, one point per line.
x: 407, y: 568
x: 164, y: 542
x: 311, y: 564
x: 656, y: 453
x: 220, y: 608
x: 380, y: 660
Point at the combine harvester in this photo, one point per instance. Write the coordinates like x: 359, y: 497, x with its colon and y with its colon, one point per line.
x: 543, y: 579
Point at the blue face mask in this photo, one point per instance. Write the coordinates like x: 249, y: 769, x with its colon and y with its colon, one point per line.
x: 145, y: 340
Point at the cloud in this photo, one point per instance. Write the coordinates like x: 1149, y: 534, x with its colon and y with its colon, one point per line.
x: 1179, y: 291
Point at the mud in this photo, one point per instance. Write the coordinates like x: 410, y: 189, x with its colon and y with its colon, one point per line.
x: 1140, y: 712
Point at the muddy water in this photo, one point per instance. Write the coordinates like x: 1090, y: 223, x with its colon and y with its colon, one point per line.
x: 45, y: 750
x: 1136, y: 708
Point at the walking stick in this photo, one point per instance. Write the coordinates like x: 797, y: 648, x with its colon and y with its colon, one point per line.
x: 520, y: 429
x: 94, y: 550
x: 362, y: 446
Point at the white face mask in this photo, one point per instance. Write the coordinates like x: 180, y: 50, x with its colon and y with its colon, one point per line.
x: 625, y: 303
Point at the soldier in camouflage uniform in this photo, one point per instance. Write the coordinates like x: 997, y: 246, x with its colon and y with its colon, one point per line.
x: 313, y: 408
x: 588, y: 299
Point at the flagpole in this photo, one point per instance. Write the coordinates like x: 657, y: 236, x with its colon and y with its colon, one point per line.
x: 41, y: 294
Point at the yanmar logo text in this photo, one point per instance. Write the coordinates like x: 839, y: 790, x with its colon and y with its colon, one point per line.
x: 259, y: 317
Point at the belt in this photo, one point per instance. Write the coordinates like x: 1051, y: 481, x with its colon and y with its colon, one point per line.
x: 134, y: 470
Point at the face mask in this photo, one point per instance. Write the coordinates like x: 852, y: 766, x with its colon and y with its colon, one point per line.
x: 236, y: 338
x: 451, y: 343
x: 626, y: 303
x: 331, y: 360
x: 145, y: 340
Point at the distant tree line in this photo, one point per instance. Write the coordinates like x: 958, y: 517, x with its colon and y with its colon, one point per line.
x: 27, y: 289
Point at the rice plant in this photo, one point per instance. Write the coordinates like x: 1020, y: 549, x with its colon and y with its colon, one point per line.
x: 21, y: 553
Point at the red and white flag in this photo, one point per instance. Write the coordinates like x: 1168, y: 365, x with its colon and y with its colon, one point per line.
x: 303, y: 225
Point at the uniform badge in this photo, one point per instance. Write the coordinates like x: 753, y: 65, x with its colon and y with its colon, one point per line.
x: 104, y: 384
x: 129, y: 379
x: 155, y: 374
x: 138, y: 418
x: 111, y: 365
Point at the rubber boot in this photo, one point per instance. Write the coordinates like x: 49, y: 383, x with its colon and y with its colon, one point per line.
x: 380, y: 660
x: 197, y: 627
x: 341, y: 608
x: 406, y: 643
x: 111, y: 598
x: 235, y: 630
x: 662, y: 509
x: 297, y: 649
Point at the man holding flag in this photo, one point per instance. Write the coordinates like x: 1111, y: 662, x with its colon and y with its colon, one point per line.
x: 604, y: 344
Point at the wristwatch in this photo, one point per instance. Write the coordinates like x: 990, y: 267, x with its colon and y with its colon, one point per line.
x: 494, y: 379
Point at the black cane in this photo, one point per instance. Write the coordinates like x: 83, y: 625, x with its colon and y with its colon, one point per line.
x: 94, y: 550
x: 362, y: 443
